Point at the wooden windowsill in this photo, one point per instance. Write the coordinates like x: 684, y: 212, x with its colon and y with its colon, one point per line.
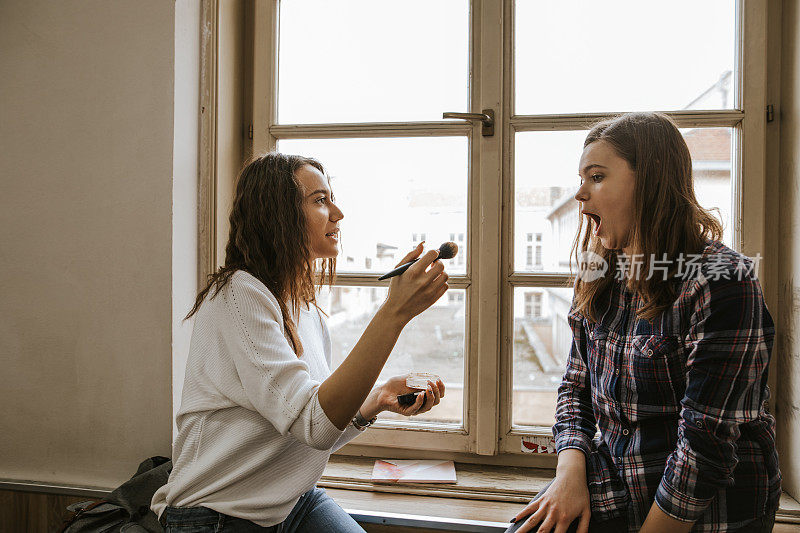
x: 477, y: 482
x: 484, y: 496
x: 483, y: 499
x: 423, y: 514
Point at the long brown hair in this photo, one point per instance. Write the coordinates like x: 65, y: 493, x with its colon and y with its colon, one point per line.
x: 667, y: 219
x: 268, y: 237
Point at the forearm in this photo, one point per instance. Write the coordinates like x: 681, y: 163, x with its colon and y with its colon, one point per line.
x: 345, y: 391
x: 658, y: 521
x: 571, y: 462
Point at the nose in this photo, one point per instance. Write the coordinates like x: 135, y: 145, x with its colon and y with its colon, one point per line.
x: 583, y: 194
x: 336, y: 213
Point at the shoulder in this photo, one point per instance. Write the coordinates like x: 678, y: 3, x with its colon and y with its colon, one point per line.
x: 723, y: 280
x: 716, y: 257
x: 716, y: 265
x: 246, y: 293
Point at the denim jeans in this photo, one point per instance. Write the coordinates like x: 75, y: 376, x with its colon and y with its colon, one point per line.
x: 313, y: 513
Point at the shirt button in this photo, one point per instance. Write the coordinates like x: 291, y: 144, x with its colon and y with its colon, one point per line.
x: 650, y: 353
x: 625, y: 431
x: 616, y: 371
x: 699, y: 423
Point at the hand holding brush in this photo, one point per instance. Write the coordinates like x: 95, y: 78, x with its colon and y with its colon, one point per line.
x: 447, y: 250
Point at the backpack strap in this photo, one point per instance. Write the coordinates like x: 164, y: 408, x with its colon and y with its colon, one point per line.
x: 69, y: 520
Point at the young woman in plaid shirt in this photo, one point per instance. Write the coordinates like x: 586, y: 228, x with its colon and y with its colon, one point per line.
x: 661, y: 423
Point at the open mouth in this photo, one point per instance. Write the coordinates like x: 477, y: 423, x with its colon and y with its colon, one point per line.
x: 333, y: 234
x: 596, y: 219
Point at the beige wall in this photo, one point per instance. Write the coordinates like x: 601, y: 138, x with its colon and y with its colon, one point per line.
x: 86, y: 124
x: 788, y: 319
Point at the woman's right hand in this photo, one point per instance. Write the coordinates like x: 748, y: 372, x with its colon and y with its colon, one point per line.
x: 418, y: 287
x: 566, y: 499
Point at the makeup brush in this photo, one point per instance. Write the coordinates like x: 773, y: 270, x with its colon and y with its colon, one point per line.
x: 446, y: 251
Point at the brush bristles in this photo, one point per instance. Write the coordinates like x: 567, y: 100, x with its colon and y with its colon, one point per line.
x: 448, y: 250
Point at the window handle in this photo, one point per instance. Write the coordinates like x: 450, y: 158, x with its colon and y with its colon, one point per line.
x: 486, y: 117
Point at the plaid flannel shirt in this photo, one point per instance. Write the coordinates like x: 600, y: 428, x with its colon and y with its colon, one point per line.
x: 679, y: 402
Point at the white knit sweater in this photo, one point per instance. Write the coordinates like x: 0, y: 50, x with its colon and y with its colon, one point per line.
x: 252, y: 437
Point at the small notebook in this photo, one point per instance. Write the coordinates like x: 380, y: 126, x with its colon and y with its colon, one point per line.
x: 413, y: 471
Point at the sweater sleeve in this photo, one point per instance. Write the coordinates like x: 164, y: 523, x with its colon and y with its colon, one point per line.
x: 276, y: 382
x: 349, y: 433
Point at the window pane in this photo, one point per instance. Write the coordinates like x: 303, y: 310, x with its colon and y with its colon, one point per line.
x: 623, y: 55
x: 432, y: 342
x: 394, y: 193
x: 542, y: 339
x: 541, y: 334
x: 546, y: 179
x: 367, y: 61
x: 545, y: 212
x: 711, y: 167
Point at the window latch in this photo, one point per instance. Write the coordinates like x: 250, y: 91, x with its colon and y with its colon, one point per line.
x: 486, y: 117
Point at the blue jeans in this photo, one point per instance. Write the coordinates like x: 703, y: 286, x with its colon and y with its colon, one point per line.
x: 314, y: 512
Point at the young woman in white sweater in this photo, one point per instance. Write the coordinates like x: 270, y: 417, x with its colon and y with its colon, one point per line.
x: 261, y: 411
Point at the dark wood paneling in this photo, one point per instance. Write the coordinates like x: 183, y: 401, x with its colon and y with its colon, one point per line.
x: 33, y: 512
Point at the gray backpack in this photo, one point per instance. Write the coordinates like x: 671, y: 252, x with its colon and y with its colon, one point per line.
x: 127, y: 508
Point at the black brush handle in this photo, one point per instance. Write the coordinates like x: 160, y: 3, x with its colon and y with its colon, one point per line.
x: 408, y: 399
x: 446, y: 251
x: 397, y: 271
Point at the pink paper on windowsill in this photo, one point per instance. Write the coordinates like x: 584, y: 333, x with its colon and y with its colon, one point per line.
x: 413, y: 471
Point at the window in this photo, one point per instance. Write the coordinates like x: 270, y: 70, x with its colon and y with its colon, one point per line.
x: 402, y: 174
x: 455, y: 297
x: 533, y: 305
x: 546, y: 138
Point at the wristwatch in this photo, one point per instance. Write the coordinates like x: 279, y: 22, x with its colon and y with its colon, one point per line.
x: 361, y: 423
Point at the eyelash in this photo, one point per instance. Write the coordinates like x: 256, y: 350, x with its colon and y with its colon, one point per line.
x: 320, y: 200
x: 595, y: 177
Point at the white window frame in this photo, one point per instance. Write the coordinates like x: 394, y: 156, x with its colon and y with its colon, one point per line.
x: 490, y: 277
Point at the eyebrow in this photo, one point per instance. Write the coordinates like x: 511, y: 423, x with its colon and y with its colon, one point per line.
x: 587, y: 168
x: 323, y: 191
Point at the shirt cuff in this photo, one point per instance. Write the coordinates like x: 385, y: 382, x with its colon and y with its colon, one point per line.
x: 347, y: 435
x: 573, y: 439
x: 680, y: 506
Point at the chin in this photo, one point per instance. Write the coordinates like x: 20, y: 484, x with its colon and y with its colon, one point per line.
x: 328, y: 254
x: 610, y: 244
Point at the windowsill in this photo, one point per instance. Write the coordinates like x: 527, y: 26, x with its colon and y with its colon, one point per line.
x: 424, y: 514
x: 482, y: 500
x: 484, y: 497
x: 477, y: 482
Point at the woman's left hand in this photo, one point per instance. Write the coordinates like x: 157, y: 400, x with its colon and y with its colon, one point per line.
x: 384, y: 398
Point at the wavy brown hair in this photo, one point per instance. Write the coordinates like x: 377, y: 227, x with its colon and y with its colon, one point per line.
x: 268, y: 238
x: 667, y: 219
